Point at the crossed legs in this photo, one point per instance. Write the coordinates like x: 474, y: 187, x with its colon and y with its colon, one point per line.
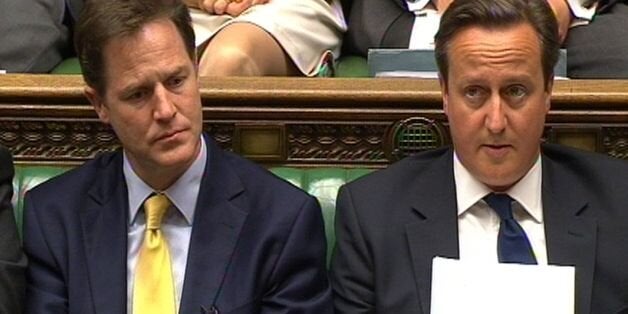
x: 244, y: 49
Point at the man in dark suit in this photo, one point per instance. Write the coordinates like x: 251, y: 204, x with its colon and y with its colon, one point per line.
x: 12, y: 259
x: 558, y: 205
x: 592, y: 30
x: 36, y: 34
x: 596, y: 47
x: 234, y: 239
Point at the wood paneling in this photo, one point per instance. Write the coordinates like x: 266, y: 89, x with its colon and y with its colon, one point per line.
x: 306, y: 121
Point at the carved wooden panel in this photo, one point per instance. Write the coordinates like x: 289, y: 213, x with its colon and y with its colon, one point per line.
x: 222, y: 133
x: 615, y: 142
x: 48, y: 140
x: 70, y: 141
x: 359, y: 143
x: 307, y: 121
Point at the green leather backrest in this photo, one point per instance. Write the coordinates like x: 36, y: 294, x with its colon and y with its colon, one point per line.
x: 346, y: 66
x: 27, y: 177
x: 323, y: 183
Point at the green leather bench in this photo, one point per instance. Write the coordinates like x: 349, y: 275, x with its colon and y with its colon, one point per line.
x: 346, y: 66
x: 323, y: 183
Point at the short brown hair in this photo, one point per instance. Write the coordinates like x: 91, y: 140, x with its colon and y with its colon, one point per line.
x: 104, y: 20
x: 462, y: 14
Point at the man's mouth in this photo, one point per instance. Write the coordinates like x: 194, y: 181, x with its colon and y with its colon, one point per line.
x: 497, y: 150
x: 168, y: 135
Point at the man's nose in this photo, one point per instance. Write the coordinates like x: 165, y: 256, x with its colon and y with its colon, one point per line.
x: 164, y: 107
x: 496, y: 119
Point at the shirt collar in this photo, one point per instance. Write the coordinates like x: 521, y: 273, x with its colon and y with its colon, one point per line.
x: 527, y: 192
x: 183, y: 193
x: 416, y: 5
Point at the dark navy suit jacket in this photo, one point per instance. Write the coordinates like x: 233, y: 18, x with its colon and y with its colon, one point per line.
x: 390, y: 225
x: 257, y: 243
x: 12, y: 259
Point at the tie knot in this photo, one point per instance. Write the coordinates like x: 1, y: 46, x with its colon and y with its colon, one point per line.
x: 500, y: 203
x: 155, y: 207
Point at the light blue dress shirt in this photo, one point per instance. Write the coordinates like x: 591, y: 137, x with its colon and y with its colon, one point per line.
x: 176, y: 225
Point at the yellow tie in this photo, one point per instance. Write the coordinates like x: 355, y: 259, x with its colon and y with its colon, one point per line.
x: 153, y: 290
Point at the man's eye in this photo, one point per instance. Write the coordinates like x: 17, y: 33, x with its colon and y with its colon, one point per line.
x: 516, y: 91
x: 136, y: 95
x: 473, y: 92
x: 475, y: 95
x: 176, y: 81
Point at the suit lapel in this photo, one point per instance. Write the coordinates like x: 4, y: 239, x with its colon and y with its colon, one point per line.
x: 218, y: 219
x: 570, y: 235
x: 104, y: 223
x: 435, y: 231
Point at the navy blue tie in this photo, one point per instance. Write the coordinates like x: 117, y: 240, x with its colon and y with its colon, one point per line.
x: 513, y: 245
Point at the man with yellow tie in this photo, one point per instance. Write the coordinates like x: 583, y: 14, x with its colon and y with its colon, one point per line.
x: 170, y: 223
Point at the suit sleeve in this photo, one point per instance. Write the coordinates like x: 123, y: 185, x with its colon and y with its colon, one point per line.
x: 12, y: 259
x: 351, y: 266
x: 299, y: 282
x: 376, y: 24
x: 46, y: 290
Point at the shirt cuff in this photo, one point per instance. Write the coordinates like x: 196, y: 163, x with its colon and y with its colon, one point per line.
x: 581, y: 12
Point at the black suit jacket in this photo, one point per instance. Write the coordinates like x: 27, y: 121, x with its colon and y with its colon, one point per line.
x: 376, y: 24
x: 392, y: 223
x: 388, y: 24
x: 12, y: 259
x: 257, y: 243
x: 36, y: 34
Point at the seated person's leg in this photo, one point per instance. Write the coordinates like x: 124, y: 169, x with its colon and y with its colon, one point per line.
x: 600, y: 49
x: 281, y: 37
x: 244, y: 49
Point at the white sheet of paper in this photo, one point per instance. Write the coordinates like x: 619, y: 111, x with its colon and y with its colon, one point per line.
x: 474, y: 287
x: 417, y: 74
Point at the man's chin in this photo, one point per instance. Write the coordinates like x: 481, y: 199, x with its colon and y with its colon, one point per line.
x: 500, y: 181
x: 176, y: 155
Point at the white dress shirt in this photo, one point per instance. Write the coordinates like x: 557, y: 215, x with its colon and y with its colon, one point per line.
x: 478, y: 224
x: 176, y: 225
x: 427, y: 20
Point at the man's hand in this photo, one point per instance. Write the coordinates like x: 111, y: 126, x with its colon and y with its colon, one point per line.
x: 220, y: 7
x: 563, y: 16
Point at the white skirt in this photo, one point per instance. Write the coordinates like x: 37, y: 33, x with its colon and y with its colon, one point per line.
x: 310, y: 31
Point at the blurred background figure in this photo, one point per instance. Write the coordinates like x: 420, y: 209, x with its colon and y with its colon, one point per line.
x: 234, y: 37
x: 597, y: 44
x: 591, y: 31
x: 266, y: 37
x: 36, y: 34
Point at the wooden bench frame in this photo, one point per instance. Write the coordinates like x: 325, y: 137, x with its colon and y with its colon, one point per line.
x: 293, y: 121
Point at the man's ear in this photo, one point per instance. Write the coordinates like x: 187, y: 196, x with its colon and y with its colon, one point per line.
x: 444, y: 92
x: 197, y: 59
x: 548, y: 92
x: 97, y: 102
